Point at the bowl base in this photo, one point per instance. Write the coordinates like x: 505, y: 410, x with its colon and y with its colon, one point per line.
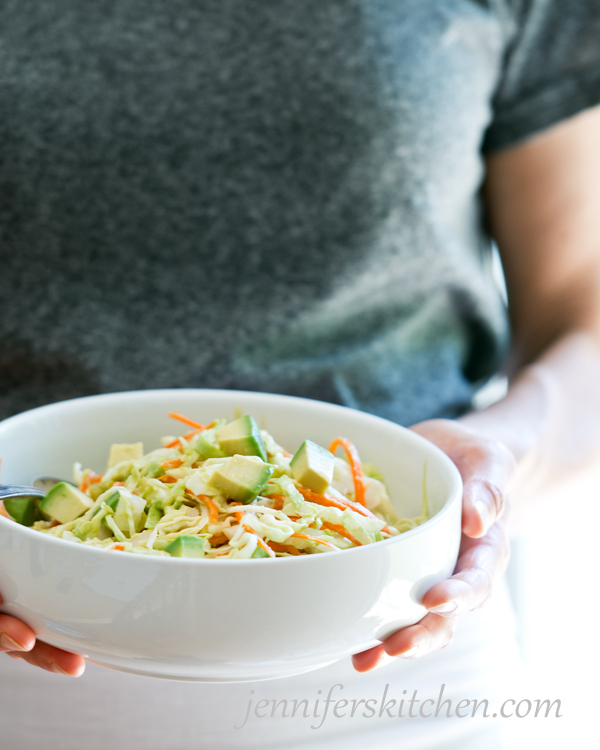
x: 214, y: 679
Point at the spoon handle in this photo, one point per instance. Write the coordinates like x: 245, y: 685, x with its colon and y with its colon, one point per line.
x: 15, y: 490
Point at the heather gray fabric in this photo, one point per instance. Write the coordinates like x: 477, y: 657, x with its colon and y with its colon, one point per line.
x: 272, y: 195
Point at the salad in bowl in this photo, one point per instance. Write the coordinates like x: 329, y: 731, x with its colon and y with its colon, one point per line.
x: 223, y: 491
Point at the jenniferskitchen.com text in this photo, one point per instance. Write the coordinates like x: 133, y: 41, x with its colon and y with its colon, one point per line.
x: 331, y: 705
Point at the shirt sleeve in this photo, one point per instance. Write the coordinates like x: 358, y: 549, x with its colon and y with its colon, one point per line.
x: 551, y: 68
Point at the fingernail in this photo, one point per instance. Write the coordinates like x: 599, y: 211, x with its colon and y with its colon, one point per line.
x: 444, y: 609
x: 60, y: 670
x: 411, y: 653
x: 384, y: 660
x: 7, y: 642
x: 483, y: 513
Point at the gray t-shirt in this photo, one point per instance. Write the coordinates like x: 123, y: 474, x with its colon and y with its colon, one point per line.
x: 272, y: 194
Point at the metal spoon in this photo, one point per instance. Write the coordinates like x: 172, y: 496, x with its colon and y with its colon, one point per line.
x: 41, y: 486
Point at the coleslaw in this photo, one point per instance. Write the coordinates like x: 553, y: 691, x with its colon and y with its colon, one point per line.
x: 185, y: 499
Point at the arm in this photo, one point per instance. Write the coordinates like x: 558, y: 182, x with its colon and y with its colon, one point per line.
x: 543, y: 199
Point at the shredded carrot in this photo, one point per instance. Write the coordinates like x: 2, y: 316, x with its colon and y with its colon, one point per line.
x: 262, y: 544
x: 90, y: 478
x: 240, y: 518
x: 278, y: 501
x: 118, y: 548
x: 118, y: 484
x: 339, y: 529
x: 187, y: 436
x: 355, y: 466
x: 167, y: 479
x: 217, y: 541
x: 334, y: 502
x: 185, y: 420
x: 315, y: 539
x: 174, y: 463
x: 289, y: 548
x: 4, y: 512
x: 315, y: 497
x: 213, y: 508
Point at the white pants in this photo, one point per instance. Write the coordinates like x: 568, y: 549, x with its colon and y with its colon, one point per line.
x: 106, y: 709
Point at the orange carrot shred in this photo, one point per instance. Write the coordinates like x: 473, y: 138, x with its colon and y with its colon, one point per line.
x: 187, y: 436
x: 355, y: 466
x: 289, y: 548
x: 262, y: 543
x: 118, y: 548
x: 167, y: 479
x: 213, y: 508
x: 315, y: 539
x: 240, y: 518
x: 89, y: 479
x: 334, y: 502
x: 185, y: 420
x: 174, y: 463
x: 278, y: 501
x: 339, y: 529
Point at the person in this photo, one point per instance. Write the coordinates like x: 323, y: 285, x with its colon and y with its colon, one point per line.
x: 287, y: 197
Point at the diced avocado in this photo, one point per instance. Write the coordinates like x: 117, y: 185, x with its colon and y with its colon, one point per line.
x: 259, y: 552
x: 154, y: 516
x: 124, y: 452
x: 186, y: 546
x: 23, y: 510
x: 312, y: 466
x: 242, y: 477
x: 243, y: 438
x: 65, y: 503
x: 128, y: 509
x: 206, y: 449
x: 154, y: 470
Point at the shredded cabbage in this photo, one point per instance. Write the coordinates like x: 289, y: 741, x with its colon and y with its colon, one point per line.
x: 141, y: 506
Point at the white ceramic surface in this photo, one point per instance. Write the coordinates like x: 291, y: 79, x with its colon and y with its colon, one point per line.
x: 210, y: 620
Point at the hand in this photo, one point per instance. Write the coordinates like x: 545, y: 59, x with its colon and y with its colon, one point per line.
x: 485, y: 467
x: 18, y: 641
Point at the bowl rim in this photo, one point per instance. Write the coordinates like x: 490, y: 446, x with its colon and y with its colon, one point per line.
x: 454, y: 494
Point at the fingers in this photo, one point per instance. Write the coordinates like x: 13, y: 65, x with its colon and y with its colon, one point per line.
x: 429, y: 634
x: 18, y: 641
x: 15, y: 635
x: 485, y: 467
x: 52, y: 659
x: 367, y: 660
x: 480, y: 561
x: 484, y: 502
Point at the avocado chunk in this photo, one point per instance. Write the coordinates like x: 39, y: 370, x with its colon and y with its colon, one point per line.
x: 120, y: 452
x: 243, y: 438
x: 206, y: 449
x: 186, y: 546
x: 23, y: 510
x: 312, y: 466
x: 128, y: 509
x: 65, y: 503
x: 242, y: 477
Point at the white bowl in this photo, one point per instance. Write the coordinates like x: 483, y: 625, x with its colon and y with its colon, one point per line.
x: 221, y: 620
